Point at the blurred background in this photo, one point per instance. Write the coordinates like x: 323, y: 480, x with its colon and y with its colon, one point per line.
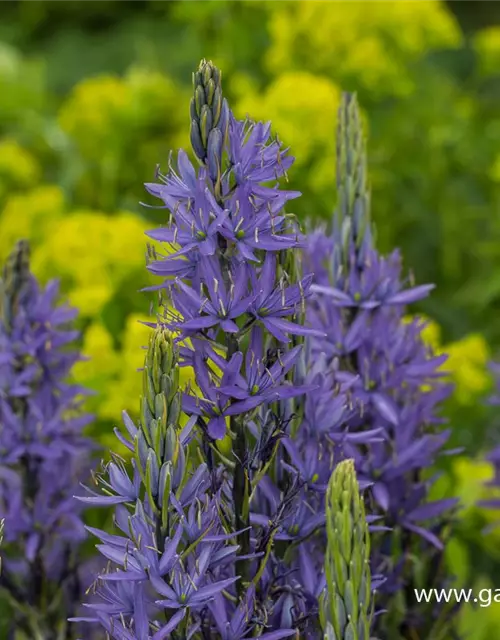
x: 93, y: 95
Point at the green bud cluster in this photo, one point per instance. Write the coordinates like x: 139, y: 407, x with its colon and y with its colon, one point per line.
x: 346, y: 608
x: 208, y: 121
x: 159, y: 454
x: 16, y: 274
x: 352, y: 215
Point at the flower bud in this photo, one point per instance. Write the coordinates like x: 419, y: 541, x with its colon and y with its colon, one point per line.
x: 141, y: 452
x: 152, y: 475
x: 214, y: 153
x: 352, y: 223
x: 165, y: 485
x: 206, y: 110
x: 199, y: 98
x: 210, y: 91
x: 15, y: 278
x: 216, y: 105
x: 196, y: 142
x: 346, y: 604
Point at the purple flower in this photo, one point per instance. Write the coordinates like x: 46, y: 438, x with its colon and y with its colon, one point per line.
x: 261, y: 382
x: 378, y: 283
x: 252, y: 227
x: 43, y: 453
x: 238, y: 625
x: 190, y: 590
x: 196, y: 221
x: 254, y: 157
x: 216, y: 405
x: 273, y: 303
x: 301, y: 520
x: 119, y: 484
x: 224, y: 303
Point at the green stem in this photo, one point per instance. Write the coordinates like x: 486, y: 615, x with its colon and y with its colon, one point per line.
x: 241, y: 489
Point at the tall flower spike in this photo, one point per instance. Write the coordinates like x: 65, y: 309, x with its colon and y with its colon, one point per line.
x: 43, y: 454
x: 346, y: 610
x: 174, y: 553
x: 228, y: 282
x: 394, y: 391
x: 352, y: 224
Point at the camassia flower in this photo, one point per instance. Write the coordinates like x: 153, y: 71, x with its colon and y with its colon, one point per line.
x: 188, y: 560
x: 216, y: 405
x: 157, y: 562
x: 198, y: 219
x: 235, y: 622
x: 43, y: 453
x: 216, y: 300
x: 394, y: 387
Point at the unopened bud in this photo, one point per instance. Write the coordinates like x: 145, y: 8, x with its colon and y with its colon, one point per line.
x: 207, y: 111
x: 346, y: 611
x: 352, y: 215
x: 15, y: 279
x: 214, y: 154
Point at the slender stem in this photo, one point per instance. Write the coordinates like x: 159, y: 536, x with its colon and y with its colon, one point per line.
x: 241, y: 489
x: 241, y: 495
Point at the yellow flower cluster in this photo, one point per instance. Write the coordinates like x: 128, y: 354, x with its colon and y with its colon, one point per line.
x: 93, y: 276
x: 120, y: 129
x: 467, y: 364
x: 32, y: 215
x: 487, y: 47
x: 372, y: 41
x: 94, y: 112
x: 18, y: 168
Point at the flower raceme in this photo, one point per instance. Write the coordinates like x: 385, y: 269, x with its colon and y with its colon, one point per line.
x: 43, y: 454
x: 394, y: 387
x: 229, y: 295
x: 171, y: 564
x: 188, y: 560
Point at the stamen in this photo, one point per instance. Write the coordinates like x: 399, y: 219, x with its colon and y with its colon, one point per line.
x: 270, y: 374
